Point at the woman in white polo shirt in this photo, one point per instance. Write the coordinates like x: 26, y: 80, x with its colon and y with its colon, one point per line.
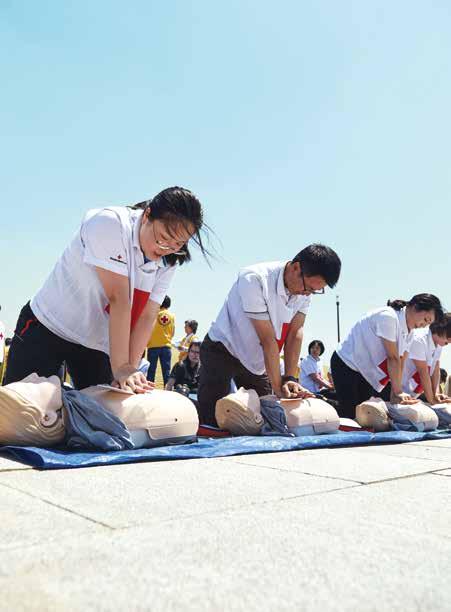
x: 97, y: 308
x: 422, y: 368
x: 311, y: 369
x: 371, y: 356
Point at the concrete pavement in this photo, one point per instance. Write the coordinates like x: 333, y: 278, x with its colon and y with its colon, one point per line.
x: 362, y: 528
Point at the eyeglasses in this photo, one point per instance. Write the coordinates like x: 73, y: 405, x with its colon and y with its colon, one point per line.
x: 167, y: 247
x: 311, y: 291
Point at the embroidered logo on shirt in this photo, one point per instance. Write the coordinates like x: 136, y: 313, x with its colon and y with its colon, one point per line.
x: 164, y: 319
x: 118, y: 259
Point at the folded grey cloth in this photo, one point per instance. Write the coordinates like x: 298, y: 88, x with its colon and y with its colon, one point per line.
x: 275, y: 419
x: 90, y: 427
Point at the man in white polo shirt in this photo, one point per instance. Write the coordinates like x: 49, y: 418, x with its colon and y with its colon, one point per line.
x: 263, y: 313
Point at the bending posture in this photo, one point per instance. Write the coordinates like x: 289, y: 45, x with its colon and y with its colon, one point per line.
x: 97, y: 308
x: 422, y: 367
x: 311, y: 375
x: 371, y: 356
x: 263, y: 313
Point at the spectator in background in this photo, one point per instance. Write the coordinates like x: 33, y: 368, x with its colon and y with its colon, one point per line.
x: 185, y: 343
x: 159, y: 345
x: 311, y: 376
x: 186, y: 373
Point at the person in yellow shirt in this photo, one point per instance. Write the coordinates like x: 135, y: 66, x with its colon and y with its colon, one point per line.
x: 5, y: 358
x: 159, y: 345
x: 185, y: 343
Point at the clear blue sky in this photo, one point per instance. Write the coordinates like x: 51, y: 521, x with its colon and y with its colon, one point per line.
x: 294, y: 121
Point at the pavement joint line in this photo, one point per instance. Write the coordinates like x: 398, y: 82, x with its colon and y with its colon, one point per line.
x: 3, y: 471
x: 55, y: 505
x: 363, y: 483
x: 269, y: 467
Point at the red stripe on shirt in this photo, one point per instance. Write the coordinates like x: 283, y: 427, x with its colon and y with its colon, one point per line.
x: 417, y: 379
x: 384, y: 367
x: 283, y: 337
x: 140, y: 299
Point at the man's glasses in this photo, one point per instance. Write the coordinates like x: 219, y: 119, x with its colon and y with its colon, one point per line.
x: 166, y: 247
x: 311, y: 291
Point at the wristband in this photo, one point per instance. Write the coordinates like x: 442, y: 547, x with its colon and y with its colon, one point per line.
x: 289, y: 379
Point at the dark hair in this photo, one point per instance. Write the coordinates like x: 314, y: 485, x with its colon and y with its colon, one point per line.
x: 8, y: 341
x: 442, y: 328
x: 320, y: 260
x: 312, y: 344
x: 177, y: 205
x: 166, y: 303
x: 421, y: 301
x: 195, y: 343
x: 443, y: 375
x: 193, y: 324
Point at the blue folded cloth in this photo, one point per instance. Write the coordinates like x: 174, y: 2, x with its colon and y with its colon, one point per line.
x: 275, y: 419
x: 90, y: 427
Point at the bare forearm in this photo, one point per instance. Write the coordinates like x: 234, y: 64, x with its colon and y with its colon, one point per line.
x: 292, y: 350
x: 272, y: 364
x: 119, y: 330
x: 435, y: 381
x: 395, y: 374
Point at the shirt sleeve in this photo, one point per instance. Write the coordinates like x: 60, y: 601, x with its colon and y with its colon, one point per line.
x: 253, y: 301
x: 417, y: 350
x: 309, y: 366
x: 386, y: 325
x: 103, y: 242
x: 304, y: 304
x: 162, y: 284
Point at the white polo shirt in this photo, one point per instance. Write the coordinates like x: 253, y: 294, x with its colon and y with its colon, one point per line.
x: 363, y: 350
x: 72, y: 302
x: 422, y: 348
x: 310, y: 365
x: 258, y: 293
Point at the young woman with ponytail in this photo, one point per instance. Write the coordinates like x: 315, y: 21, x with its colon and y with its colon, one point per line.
x: 368, y: 363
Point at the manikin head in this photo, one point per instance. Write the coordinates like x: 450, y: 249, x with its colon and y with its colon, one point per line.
x: 30, y: 412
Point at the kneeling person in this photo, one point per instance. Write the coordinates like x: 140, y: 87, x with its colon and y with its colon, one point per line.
x: 263, y: 313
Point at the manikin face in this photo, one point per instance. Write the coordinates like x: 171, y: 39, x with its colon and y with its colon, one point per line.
x: 419, y: 318
x: 30, y: 412
x: 42, y: 392
x: 158, y: 238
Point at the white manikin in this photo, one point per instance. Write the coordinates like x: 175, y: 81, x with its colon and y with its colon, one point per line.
x: 376, y: 414
x: 240, y: 414
x: 31, y: 413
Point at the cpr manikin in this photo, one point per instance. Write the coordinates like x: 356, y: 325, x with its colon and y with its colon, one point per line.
x: 31, y: 413
x: 239, y: 413
x: 152, y: 418
x: 381, y: 416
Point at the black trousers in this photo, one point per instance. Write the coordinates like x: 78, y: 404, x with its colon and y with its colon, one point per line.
x: 352, y: 388
x: 217, y: 369
x: 36, y: 349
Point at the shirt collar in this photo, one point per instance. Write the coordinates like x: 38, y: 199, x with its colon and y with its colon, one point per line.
x: 150, y: 265
x: 281, y: 289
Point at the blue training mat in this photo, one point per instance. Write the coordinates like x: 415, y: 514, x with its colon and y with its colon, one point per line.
x: 46, y: 459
